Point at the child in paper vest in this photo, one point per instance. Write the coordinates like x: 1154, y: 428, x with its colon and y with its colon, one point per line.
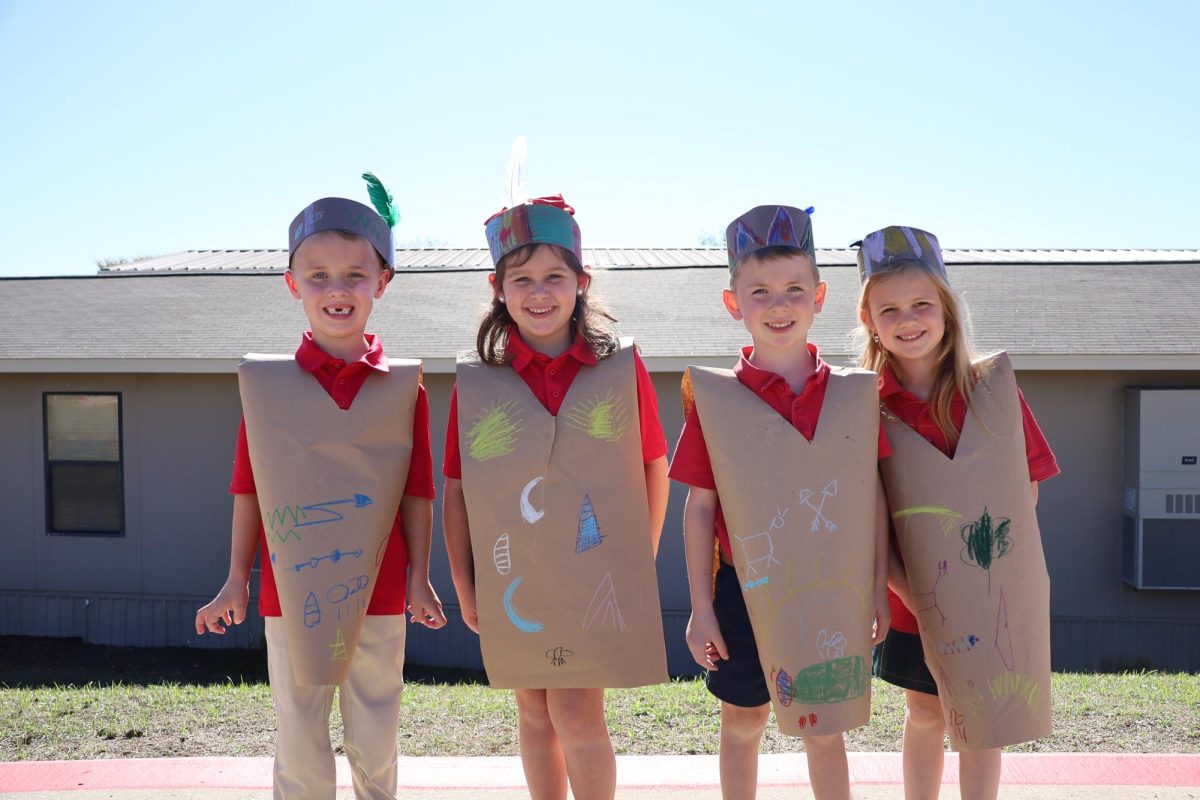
x: 783, y: 477
x: 340, y: 392
x: 970, y: 595
x: 556, y: 489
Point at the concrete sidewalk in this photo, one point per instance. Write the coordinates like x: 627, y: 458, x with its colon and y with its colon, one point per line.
x: 875, y: 776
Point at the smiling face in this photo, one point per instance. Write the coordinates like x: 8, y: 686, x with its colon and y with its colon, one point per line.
x: 776, y: 300
x: 338, y: 280
x: 906, y: 310
x: 540, y: 297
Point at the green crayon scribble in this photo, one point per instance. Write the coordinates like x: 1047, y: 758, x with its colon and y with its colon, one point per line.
x: 984, y: 543
x: 287, y: 516
x: 831, y: 681
x: 495, y: 433
x: 948, y: 515
x: 600, y: 418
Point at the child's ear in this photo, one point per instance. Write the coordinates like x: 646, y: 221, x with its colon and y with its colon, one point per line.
x: 731, y: 304
x: 585, y: 280
x: 385, y: 277
x: 864, y: 316
x: 291, y: 284
x: 819, y: 299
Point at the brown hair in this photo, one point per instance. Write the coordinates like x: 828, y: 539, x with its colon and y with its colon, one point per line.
x: 351, y: 236
x: 952, y: 370
x: 591, y: 319
x: 774, y: 253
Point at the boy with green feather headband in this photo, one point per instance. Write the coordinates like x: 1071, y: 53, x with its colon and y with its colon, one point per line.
x: 333, y: 485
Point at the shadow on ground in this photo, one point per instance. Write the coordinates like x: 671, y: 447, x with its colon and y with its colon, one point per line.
x: 31, y: 663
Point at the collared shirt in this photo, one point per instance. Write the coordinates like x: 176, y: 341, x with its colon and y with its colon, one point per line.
x: 692, y: 465
x: 342, y: 382
x: 549, y: 379
x: 916, y: 413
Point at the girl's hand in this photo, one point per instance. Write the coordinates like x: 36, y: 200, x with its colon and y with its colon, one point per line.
x: 227, y: 608
x: 424, y: 605
x: 704, y: 639
x: 466, y: 605
x: 883, y: 620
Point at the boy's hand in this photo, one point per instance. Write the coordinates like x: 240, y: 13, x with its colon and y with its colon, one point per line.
x: 466, y: 605
x: 227, y: 608
x: 883, y: 618
x: 704, y: 639
x: 424, y: 605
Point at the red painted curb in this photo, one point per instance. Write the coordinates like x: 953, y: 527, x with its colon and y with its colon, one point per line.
x: 1042, y: 769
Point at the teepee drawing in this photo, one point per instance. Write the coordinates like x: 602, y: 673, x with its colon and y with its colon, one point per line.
x: 589, y: 528
x: 603, y: 608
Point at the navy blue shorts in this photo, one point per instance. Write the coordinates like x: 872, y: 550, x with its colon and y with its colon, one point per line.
x: 900, y: 661
x: 738, y: 681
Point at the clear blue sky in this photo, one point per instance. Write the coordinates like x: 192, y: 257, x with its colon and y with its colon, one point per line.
x: 131, y: 129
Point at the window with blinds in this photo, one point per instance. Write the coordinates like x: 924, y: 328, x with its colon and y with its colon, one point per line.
x: 84, y: 489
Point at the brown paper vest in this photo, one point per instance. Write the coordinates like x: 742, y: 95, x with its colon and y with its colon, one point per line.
x: 801, y: 519
x: 968, y: 534
x: 329, y: 483
x: 560, y: 530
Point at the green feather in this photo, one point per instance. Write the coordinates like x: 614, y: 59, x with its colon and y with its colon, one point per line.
x: 381, y: 198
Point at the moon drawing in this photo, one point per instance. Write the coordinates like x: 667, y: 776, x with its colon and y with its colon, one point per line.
x: 528, y: 512
x: 520, y: 623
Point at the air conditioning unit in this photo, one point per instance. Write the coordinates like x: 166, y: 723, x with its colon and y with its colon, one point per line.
x: 1161, y: 538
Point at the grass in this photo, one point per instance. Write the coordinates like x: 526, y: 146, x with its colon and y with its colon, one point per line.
x: 203, y: 710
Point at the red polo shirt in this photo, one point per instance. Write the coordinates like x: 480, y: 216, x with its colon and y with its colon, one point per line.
x: 915, y: 413
x: 691, y: 464
x: 549, y: 379
x: 342, y: 381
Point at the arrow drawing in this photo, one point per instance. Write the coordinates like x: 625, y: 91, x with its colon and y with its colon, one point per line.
x: 359, y: 500
x: 819, y: 518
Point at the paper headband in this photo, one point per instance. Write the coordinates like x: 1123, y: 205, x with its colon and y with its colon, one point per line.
x: 769, y: 226
x: 544, y: 220
x: 896, y: 245
x: 339, y: 214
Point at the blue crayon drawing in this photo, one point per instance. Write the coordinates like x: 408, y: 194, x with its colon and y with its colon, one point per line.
x: 755, y: 584
x: 333, y: 558
x: 519, y: 622
x: 312, y: 611
x: 359, y: 500
x: 589, y: 529
x: 341, y: 592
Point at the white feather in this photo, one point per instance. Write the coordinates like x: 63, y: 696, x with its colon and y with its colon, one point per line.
x: 515, y: 186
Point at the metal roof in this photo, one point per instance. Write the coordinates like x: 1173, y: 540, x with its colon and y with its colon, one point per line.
x: 1070, y: 316
x: 471, y: 258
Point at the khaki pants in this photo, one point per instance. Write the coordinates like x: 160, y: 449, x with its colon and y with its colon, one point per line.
x: 370, y: 704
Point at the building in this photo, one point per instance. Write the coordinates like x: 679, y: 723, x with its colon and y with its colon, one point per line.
x: 153, y: 346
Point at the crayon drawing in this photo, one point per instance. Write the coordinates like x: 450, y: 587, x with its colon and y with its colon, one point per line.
x: 500, y: 555
x: 589, y: 529
x: 985, y: 540
x: 494, y: 434
x: 312, y: 611
x: 783, y: 686
x: 603, y: 608
x: 930, y: 601
x: 832, y: 681
x: 326, y: 508
x: 758, y: 549
x: 831, y: 645
x: 818, y: 506
x: 1003, y: 634
x: 947, y: 517
x: 332, y: 557
x: 519, y: 622
x: 528, y: 512
x: 962, y: 644
x: 600, y: 418
x: 339, y: 648
x: 557, y: 656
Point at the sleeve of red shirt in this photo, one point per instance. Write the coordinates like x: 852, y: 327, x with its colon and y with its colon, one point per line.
x: 452, y: 459
x: 1042, y: 464
x: 242, y: 481
x: 420, y: 466
x: 654, y: 441
x: 691, y: 464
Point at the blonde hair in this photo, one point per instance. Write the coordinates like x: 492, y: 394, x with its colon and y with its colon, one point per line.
x: 952, y: 370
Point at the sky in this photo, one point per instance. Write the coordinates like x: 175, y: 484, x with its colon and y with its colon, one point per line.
x: 137, y: 129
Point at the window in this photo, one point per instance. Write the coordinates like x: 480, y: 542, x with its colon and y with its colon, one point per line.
x: 84, y: 493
